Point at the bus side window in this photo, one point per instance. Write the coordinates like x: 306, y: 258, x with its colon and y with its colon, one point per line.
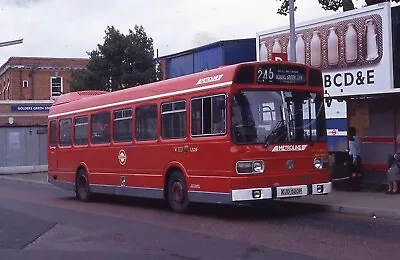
x: 53, y: 133
x: 81, y: 127
x: 208, y: 115
x: 100, y: 125
x: 65, y: 132
x: 122, y: 131
x: 146, y: 122
x: 173, y: 119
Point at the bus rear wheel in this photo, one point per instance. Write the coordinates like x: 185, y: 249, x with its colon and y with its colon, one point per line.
x: 82, y: 186
x: 178, y: 198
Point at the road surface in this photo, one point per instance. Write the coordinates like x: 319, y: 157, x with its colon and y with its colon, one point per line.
x: 39, y: 221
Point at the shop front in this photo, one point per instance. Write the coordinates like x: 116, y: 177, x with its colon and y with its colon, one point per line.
x: 358, y: 55
x: 377, y: 121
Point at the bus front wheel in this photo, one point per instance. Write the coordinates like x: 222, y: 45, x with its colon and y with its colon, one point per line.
x: 82, y: 186
x: 177, y: 193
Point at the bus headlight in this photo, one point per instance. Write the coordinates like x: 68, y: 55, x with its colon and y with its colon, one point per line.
x: 321, y: 163
x: 249, y: 167
x: 318, y: 163
x: 258, y: 166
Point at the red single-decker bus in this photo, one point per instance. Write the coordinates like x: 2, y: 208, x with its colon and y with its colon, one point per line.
x: 239, y: 133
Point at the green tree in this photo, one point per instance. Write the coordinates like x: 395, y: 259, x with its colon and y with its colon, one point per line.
x: 122, y: 61
x: 333, y: 5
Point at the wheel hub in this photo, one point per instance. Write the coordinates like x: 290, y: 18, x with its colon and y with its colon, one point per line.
x: 177, y: 192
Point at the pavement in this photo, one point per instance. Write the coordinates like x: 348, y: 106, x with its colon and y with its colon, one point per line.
x: 40, y: 221
x: 359, y: 203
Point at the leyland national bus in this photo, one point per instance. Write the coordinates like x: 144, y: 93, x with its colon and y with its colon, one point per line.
x: 240, y: 133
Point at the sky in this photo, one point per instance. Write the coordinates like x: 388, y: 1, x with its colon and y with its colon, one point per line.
x: 70, y: 28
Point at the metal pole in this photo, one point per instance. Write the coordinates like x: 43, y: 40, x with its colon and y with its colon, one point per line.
x: 292, y: 32
x: 8, y: 43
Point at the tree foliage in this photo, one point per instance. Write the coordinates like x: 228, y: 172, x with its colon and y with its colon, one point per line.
x: 332, y: 5
x: 122, y: 61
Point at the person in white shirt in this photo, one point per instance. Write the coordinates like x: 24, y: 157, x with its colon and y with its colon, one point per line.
x: 394, y: 170
x: 355, y: 154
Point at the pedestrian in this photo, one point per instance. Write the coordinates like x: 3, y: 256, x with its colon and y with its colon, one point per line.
x: 394, y: 170
x: 354, y: 158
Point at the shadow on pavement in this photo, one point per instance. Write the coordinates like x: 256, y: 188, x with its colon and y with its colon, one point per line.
x: 260, y: 211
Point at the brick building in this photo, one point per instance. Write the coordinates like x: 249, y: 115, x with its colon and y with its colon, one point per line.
x: 28, y: 85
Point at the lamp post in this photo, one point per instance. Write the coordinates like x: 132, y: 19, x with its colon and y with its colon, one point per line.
x: 292, y: 31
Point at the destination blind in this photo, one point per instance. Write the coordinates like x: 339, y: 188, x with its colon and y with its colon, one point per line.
x: 275, y: 74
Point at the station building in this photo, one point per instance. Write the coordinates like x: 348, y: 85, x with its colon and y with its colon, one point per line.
x: 28, y: 86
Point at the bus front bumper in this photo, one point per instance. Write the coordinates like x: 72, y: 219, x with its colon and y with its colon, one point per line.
x: 281, y: 192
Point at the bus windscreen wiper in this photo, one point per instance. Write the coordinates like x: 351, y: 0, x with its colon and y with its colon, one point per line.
x: 271, y: 137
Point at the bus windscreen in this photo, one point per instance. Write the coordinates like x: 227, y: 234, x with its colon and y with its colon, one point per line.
x: 280, y: 116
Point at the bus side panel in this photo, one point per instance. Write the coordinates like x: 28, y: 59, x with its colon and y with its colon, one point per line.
x: 209, y: 164
x: 102, y: 165
x: 66, y: 161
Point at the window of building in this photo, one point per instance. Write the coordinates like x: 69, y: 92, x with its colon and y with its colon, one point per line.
x: 208, y: 115
x: 56, y: 86
x: 173, y: 120
x: 122, y: 125
x: 53, y: 133
x: 146, y: 122
x: 25, y: 84
x: 81, y: 135
x: 65, y: 132
x: 100, y: 125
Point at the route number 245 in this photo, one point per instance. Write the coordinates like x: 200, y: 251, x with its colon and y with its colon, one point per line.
x: 266, y: 74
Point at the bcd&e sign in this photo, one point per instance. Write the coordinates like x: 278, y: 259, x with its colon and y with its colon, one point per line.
x: 346, y: 79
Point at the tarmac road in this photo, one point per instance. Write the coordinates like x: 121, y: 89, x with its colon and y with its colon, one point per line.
x: 40, y: 221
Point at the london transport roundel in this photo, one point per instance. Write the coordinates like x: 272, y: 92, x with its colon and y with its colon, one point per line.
x: 122, y: 157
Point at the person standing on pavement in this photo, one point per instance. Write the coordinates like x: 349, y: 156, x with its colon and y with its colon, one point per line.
x: 394, y: 170
x: 354, y: 157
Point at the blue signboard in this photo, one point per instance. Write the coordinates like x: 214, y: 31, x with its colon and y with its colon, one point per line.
x: 30, y: 108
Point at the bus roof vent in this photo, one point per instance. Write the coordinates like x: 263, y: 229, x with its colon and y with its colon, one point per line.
x: 73, y: 96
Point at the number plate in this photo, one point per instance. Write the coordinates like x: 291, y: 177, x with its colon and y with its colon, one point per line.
x: 294, y: 191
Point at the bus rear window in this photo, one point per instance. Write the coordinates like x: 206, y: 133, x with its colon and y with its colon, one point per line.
x: 53, y: 133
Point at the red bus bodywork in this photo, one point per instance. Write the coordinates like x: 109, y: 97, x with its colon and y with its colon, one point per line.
x: 207, y: 163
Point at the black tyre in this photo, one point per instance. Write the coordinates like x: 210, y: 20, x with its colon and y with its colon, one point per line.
x: 177, y: 194
x: 82, y: 186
